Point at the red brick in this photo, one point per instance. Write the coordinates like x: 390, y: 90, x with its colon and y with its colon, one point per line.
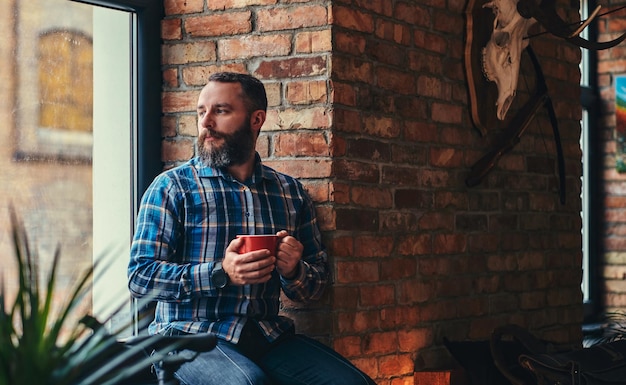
x: 449, y: 243
x: 351, y: 69
x: 352, y: 19
x: 302, y: 168
x: 401, y: 315
x: 306, y: 92
x: 398, y: 268
x: 368, y: 365
x: 221, y: 5
x: 179, y: 150
x: 349, y: 346
x: 170, y: 77
x: 326, y: 218
x: 343, y: 93
x: 292, y: 67
x: 417, y: 244
x: 447, y: 157
x: 371, y: 197
x: 185, y: 53
x: 357, y: 272
x: 405, y: 380
x: 356, y: 171
x: 394, y: 32
x: 376, y: 295
x: 340, y: 193
x: 447, y: 377
x: 420, y: 132
x: 171, y: 29
x: 313, y: 41
x: 341, y: 246
x: 179, y: 101
x: 168, y: 126
x: 401, y: 82
x: 319, y: 191
x: 349, y: 43
x: 447, y: 113
x: 413, y: 340
x: 179, y: 7
x: 313, y: 117
x: 188, y: 125
x: 232, y: 23
x: 300, y: 144
x: 294, y: 17
x: 415, y: 291
x: 345, y: 297
x: 199, y: 75
x: 381, y: 343
x: 383, y: 127
x: 358, y: 322
x: 337, y: 146
x: 396, y: 365
x: 250, y: 46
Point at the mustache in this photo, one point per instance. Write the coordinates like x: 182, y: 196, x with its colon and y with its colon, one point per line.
x: 212, y: 133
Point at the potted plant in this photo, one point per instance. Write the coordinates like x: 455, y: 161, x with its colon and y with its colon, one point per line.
x: 41, y: 346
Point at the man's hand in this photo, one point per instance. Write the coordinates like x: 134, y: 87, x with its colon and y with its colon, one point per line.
x: 288, y: 255
x: 249, y: 268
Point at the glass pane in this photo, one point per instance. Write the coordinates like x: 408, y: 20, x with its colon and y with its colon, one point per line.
x: 65, y: 162
x: 112, y: 161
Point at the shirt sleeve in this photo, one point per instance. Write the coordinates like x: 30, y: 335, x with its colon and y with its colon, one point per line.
x: 152, y: 270
x: 313, y: 273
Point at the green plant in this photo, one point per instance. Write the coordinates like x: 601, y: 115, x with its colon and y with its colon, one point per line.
x: 41, y: 346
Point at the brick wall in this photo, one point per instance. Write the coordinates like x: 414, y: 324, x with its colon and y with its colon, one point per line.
x: 369, y: 107
x: 612, y: 226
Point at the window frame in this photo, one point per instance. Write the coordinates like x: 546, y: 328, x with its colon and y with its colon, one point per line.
x: 592, y: 182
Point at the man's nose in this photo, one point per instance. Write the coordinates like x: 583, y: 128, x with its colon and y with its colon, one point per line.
x: 207, y: 120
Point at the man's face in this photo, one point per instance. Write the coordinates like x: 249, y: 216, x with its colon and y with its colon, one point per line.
x: 225, y: 135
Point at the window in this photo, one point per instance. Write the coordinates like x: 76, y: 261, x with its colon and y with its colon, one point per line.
x: 81, y: 82
x: 127, y: 89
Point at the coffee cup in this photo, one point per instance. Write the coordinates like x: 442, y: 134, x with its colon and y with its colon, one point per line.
x: 258, y: 242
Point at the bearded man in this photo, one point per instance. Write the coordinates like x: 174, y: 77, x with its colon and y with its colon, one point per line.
x: 185, y: 253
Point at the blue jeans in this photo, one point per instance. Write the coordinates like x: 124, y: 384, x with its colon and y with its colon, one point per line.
x: 293, y: 360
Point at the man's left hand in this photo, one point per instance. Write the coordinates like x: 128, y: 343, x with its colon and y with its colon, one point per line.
x: 288, y: 255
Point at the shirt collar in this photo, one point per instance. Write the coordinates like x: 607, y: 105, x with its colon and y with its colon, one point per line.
x: 258, y: 173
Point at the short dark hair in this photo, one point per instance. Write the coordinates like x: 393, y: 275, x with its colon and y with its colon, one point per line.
x: 254, y: 94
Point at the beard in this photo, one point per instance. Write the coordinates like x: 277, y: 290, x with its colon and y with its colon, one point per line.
x: 235, y: 149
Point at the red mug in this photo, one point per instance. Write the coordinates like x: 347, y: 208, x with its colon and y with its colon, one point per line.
x: 258, y: 242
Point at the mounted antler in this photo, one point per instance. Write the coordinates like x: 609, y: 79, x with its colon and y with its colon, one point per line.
x: 545, y: 13
x: 512, y: 19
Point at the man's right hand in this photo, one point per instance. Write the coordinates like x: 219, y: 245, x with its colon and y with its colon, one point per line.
x: 249, y: 268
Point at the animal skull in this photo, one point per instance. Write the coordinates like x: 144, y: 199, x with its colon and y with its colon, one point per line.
x: 501, y: 56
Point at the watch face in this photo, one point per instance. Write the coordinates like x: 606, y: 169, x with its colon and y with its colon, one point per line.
x: 219, y: 276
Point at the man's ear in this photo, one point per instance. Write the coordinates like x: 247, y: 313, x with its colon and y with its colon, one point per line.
x: 257, y: 119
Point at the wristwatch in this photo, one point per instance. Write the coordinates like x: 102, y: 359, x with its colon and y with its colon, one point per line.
x: 219, y: 276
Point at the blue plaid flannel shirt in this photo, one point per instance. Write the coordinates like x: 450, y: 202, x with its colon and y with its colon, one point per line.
x: 187, y: 218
